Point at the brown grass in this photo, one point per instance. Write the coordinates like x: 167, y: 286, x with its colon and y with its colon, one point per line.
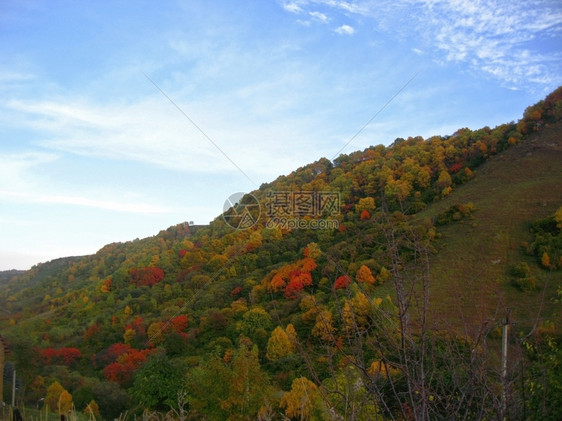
x: 521, y: 185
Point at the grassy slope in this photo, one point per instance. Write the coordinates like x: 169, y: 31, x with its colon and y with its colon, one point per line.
x: 469, y: 273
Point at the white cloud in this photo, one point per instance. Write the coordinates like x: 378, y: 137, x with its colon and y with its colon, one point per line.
x: 355, y: 7
x: 488, y: 36
x: 40, y: 198
x: 244, y: 122
x: 23, y: 181
x: 318, y: 16
x: 11, y: 76
x: 345, y: 30
x: 151, y: 130
x: 292, y: 7
x: 16, y: 169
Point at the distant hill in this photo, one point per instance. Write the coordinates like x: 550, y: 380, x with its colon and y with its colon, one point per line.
x: 9, y: 274
x: 468, y: 224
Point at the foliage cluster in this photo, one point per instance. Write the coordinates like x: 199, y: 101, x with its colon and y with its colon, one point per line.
x: 311, y: 324
x: 547, y: 242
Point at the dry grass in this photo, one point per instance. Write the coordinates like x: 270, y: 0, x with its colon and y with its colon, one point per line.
x: 511, y: 190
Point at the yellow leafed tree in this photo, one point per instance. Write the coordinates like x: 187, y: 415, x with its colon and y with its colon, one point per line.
x: 356, y: 313
x: 545, y: 260
x: 292, y: 335
x: 129, y: 335
x: 155, y: 332
x: 53, y: 393
x: 65, y: 402
x: 301, y: 400
x: 324, y: 327
x: 92, y: 410
x: 280, y: 344
x: 366, y: 203
x: 58, y: 399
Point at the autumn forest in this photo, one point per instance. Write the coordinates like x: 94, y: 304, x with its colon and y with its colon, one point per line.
x: 439, y: 249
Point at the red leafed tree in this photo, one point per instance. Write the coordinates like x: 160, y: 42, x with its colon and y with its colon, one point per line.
x: 135, y: 359
x: 236, y: 291
x: 365, y: 215
x: 69, y: 355
x: 65, y: 356
x: 455, y: 168
x: 122, y: 370
x: 91, y: 331
x: 146, y: 276
x: 138, y: 326
x: 116, y: 350
x: 342, y: 282
x: 118, y: 373
x: 299, y: 280
x: 48, y: 355
x: 179, y: 323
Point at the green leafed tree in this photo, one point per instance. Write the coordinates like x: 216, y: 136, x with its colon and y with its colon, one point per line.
x: 158, y: 382
x: 444, y: 180
x: 249, y: 389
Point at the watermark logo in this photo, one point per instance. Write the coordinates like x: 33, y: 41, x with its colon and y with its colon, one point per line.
x: 285, y: 210
x: 302, y: 210
x: 241, y: 210
x: 314, y: 204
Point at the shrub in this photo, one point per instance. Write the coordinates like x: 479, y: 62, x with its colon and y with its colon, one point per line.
x: 522, y: 277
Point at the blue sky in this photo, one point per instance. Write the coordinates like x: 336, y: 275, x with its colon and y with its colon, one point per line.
x: 91, y: 152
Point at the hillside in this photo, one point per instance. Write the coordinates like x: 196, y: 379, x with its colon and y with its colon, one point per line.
x: 518, y: 187
x: 412, y: 257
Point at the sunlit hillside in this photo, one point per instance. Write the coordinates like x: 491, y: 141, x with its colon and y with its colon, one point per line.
x: 375, y: 286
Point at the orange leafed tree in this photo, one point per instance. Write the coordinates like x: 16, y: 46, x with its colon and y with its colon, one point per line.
x: 106, y: 286
x: 342, y: 282
x: 297, y: 283
x: 294, y: 277
x: 364, y: 275
x: 64, y: 403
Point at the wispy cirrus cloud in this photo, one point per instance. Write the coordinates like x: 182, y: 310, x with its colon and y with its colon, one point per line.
x: 58, y: 199
x: 21, y: 183
x: 514, y: 42
x: 134, y: 131
x: 319, y: 17
x: 503, y: 39
x: 16, y: 168
x: 151, y: 131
